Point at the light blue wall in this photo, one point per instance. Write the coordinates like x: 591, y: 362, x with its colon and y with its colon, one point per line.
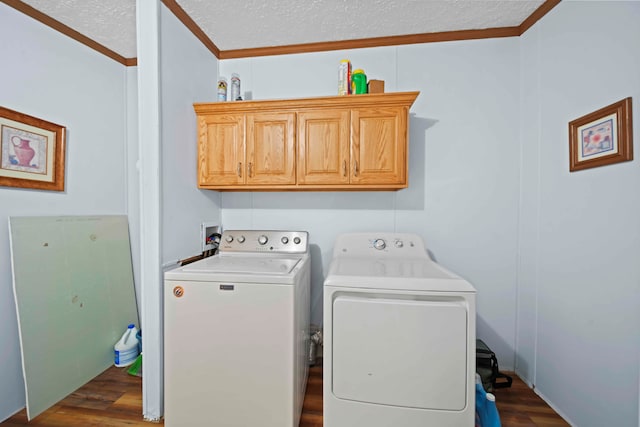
x: 174, y: 71
x: 463, y: 167
x: 552, y: 253
x: 188, y: 74
x: 50, y: 76
x: 579, y: 281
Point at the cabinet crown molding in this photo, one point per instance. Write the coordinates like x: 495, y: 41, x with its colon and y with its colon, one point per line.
x: 343, y: 101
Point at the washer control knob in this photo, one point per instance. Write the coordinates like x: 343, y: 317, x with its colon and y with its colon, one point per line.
x: 241, y: 239
x: 379, y: 244
x: 399, y: 243
x: 284, y: 240
x: 296, y: 240
x: 263, y: 239
x: 229, y: 238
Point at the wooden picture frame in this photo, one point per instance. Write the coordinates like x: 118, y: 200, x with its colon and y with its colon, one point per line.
x: 602, y: 137
x: 32, y: 152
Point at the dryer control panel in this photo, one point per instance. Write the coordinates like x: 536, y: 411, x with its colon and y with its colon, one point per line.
x: 276, y: 241
x: 393, y: 245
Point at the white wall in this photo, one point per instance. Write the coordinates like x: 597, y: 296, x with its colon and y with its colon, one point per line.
x: 175, y: 71
x: 463, y: 167
x: 489, y: 188
x: 491, y: 193
x: 133, y: 173
x: 52, y: 77
x: 189, y: 73
x: 579, y: 281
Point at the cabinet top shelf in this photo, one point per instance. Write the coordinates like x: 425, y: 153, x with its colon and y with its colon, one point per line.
x: 346, y: 101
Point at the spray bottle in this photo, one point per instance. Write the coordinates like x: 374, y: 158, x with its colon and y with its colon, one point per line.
x: 486, y: 410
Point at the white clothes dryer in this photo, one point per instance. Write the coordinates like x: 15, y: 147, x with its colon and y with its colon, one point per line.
x: 399, y: 336
x: 236, y: 333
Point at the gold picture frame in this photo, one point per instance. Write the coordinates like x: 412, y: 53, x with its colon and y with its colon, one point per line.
x: 602, y: 137
x: 32, y: 152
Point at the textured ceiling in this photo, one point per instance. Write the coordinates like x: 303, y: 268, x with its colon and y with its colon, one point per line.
x: 112, y: 23
x: 259, y: 23
x: 242, y: 24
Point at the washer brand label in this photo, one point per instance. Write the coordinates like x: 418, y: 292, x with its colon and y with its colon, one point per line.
x: 226, y: 287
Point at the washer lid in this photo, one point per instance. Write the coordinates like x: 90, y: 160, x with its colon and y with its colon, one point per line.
x: 244, y: 265
x: 244, y: 268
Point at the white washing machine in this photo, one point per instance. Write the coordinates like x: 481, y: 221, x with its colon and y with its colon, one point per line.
x: 399, y: 343
x: 236, y: 331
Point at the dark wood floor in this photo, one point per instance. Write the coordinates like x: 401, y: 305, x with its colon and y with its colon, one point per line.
x: 114, y: 399
x: 519, y: 406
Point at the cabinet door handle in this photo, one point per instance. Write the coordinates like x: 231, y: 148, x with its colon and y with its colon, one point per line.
x: 355, y: 168
x: 250, y: 169
x: 344, y: 167
x: 239, y: 169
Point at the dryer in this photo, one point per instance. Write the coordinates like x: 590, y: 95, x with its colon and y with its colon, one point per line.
x: 399, y: 336
x: 236, y: 333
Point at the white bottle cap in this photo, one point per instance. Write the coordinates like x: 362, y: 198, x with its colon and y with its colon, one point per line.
x: 491, y: 397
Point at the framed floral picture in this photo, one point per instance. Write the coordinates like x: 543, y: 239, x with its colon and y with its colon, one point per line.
x: 602, y: 137
x: 32, y: 152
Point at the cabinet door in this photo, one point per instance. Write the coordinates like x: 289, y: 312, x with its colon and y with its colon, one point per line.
x: 379, y: 145
x: 221, y: 149
x: 271, y: 149
x: 323, y: 147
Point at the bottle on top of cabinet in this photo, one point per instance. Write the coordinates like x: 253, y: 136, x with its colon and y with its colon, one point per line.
x: 235, y: 87
x: 358, y: 82
x: 344, y: 77
x: 222, y: 89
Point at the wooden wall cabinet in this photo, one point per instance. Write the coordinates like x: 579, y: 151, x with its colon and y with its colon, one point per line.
x: 356, y: 142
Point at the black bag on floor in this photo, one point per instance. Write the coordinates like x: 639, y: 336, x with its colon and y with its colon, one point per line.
x: 487, y: 367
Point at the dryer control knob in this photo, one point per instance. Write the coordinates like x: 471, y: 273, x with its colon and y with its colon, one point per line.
x: 379, y: 244
x: 229, y: 239
x: 284, y: 240
x: 263, y: 239
x: 399, y: 243
x: 241, y: 239
x: 296, y: 240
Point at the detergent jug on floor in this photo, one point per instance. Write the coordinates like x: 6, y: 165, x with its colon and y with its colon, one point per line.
x: 126, y: 349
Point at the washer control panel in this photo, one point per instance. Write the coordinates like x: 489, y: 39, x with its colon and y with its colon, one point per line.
x: 277, y: 241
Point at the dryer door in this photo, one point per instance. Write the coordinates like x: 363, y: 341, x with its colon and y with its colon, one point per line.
x: 400, y: 350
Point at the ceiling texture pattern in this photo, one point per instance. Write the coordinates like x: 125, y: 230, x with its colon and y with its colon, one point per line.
x: 259, y: 23
x: 112, y: 23
x: 250, y: 24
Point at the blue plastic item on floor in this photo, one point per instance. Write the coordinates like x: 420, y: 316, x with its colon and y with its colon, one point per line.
x: 486, y: 410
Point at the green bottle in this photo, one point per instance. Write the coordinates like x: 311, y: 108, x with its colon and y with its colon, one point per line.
x: 358, y: 82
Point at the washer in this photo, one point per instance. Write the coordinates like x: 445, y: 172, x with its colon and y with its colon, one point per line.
x: 399, y: 347
x: 236, y: 332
